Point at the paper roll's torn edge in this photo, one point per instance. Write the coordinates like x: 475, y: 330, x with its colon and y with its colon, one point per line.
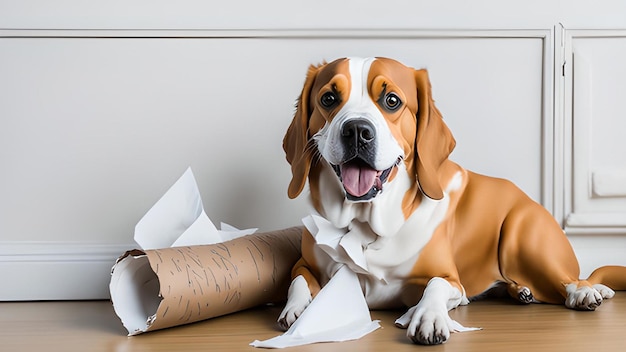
x: 150, y: 320
x: 135, y: 291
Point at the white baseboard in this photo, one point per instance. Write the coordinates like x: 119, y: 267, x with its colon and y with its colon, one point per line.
x: 32, y: 271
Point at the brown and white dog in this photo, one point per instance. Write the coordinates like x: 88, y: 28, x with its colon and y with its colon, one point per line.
x: 374, y: 148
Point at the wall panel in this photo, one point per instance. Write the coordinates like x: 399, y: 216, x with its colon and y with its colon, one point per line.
x: 597, y: 172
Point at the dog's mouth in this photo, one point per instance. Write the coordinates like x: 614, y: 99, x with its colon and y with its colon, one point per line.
x: 361, y: 181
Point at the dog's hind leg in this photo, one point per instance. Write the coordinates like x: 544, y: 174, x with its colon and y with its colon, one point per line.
x: 588, y: 294
x: 582, y: 296
x: 535, y: 253
x: 503, y: 289
x: 600, y: 285
x: 612, y: 276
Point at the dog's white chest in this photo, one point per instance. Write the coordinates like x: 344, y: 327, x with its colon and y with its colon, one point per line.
x: 382, y: 263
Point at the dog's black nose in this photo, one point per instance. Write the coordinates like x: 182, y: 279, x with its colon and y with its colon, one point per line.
x: 357, y: 133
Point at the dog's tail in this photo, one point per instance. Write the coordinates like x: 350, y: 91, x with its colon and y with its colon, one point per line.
x: 611, y: 276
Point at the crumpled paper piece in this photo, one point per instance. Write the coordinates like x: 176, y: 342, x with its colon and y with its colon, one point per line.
x: 343, y: 247
x: 338, y: 313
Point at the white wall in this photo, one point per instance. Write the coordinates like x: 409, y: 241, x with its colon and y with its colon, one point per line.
x: 104, y: 105
x: 272, y: 14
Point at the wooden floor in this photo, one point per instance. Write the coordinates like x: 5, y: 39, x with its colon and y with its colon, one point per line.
x: 93, y: 326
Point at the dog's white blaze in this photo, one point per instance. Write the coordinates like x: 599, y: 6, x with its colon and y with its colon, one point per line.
x: 359, y: 69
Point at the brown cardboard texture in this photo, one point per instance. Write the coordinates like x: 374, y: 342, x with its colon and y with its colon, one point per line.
x: 161, y: 288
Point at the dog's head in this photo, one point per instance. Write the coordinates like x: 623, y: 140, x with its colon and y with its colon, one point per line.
x: 364, y: 117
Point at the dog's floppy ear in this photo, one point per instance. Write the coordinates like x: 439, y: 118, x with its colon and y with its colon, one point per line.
x: 434, y: 141
x: 296, y: 139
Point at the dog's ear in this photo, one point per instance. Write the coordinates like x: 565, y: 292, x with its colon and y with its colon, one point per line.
x: 295, y: 142
x: 434, y: 141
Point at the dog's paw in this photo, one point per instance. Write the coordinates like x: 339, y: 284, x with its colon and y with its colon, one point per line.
x: 524, y: 295
x: 605, y: 291
x: 582, y: 298
x: 298, y: 298
x: 425, y: 326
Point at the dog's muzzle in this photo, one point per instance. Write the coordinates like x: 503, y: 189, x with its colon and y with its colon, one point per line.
x: 360, y: 179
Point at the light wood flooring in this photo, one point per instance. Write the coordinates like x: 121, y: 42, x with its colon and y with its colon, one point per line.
x: 507, y: 327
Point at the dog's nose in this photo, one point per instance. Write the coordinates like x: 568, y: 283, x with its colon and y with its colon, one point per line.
x: 357, y: 132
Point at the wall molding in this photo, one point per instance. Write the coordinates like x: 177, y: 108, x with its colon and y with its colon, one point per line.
x: 277, y: 33
x: 57, y: 270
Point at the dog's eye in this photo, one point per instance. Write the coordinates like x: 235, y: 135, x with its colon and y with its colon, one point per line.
x: 392, y: 101
x: 328, y: 99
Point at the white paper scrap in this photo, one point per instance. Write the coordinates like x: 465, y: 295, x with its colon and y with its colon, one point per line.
x: 178, y: 219
x: 229, y: 232
x: 173, y: 217
x: 338, y: 313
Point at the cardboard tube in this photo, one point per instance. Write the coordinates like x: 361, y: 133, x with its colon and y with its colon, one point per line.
x: 161, y: 288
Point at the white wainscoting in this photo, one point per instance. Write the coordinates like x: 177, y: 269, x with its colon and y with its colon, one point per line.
x: 97, y: 124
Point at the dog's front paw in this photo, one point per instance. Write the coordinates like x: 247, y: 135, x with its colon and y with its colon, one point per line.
x: 298, y: 298
x: 425, y: 326
x: 582, y: 298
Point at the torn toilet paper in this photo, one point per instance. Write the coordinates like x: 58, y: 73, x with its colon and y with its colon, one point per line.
x: 338, y: 313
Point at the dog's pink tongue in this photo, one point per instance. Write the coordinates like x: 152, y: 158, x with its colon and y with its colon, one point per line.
x: 357, y: 178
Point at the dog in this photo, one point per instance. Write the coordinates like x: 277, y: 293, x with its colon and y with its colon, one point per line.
x: 373, y: 147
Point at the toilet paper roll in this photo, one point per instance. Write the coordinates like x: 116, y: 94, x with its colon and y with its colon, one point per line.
x: 161, y: 288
